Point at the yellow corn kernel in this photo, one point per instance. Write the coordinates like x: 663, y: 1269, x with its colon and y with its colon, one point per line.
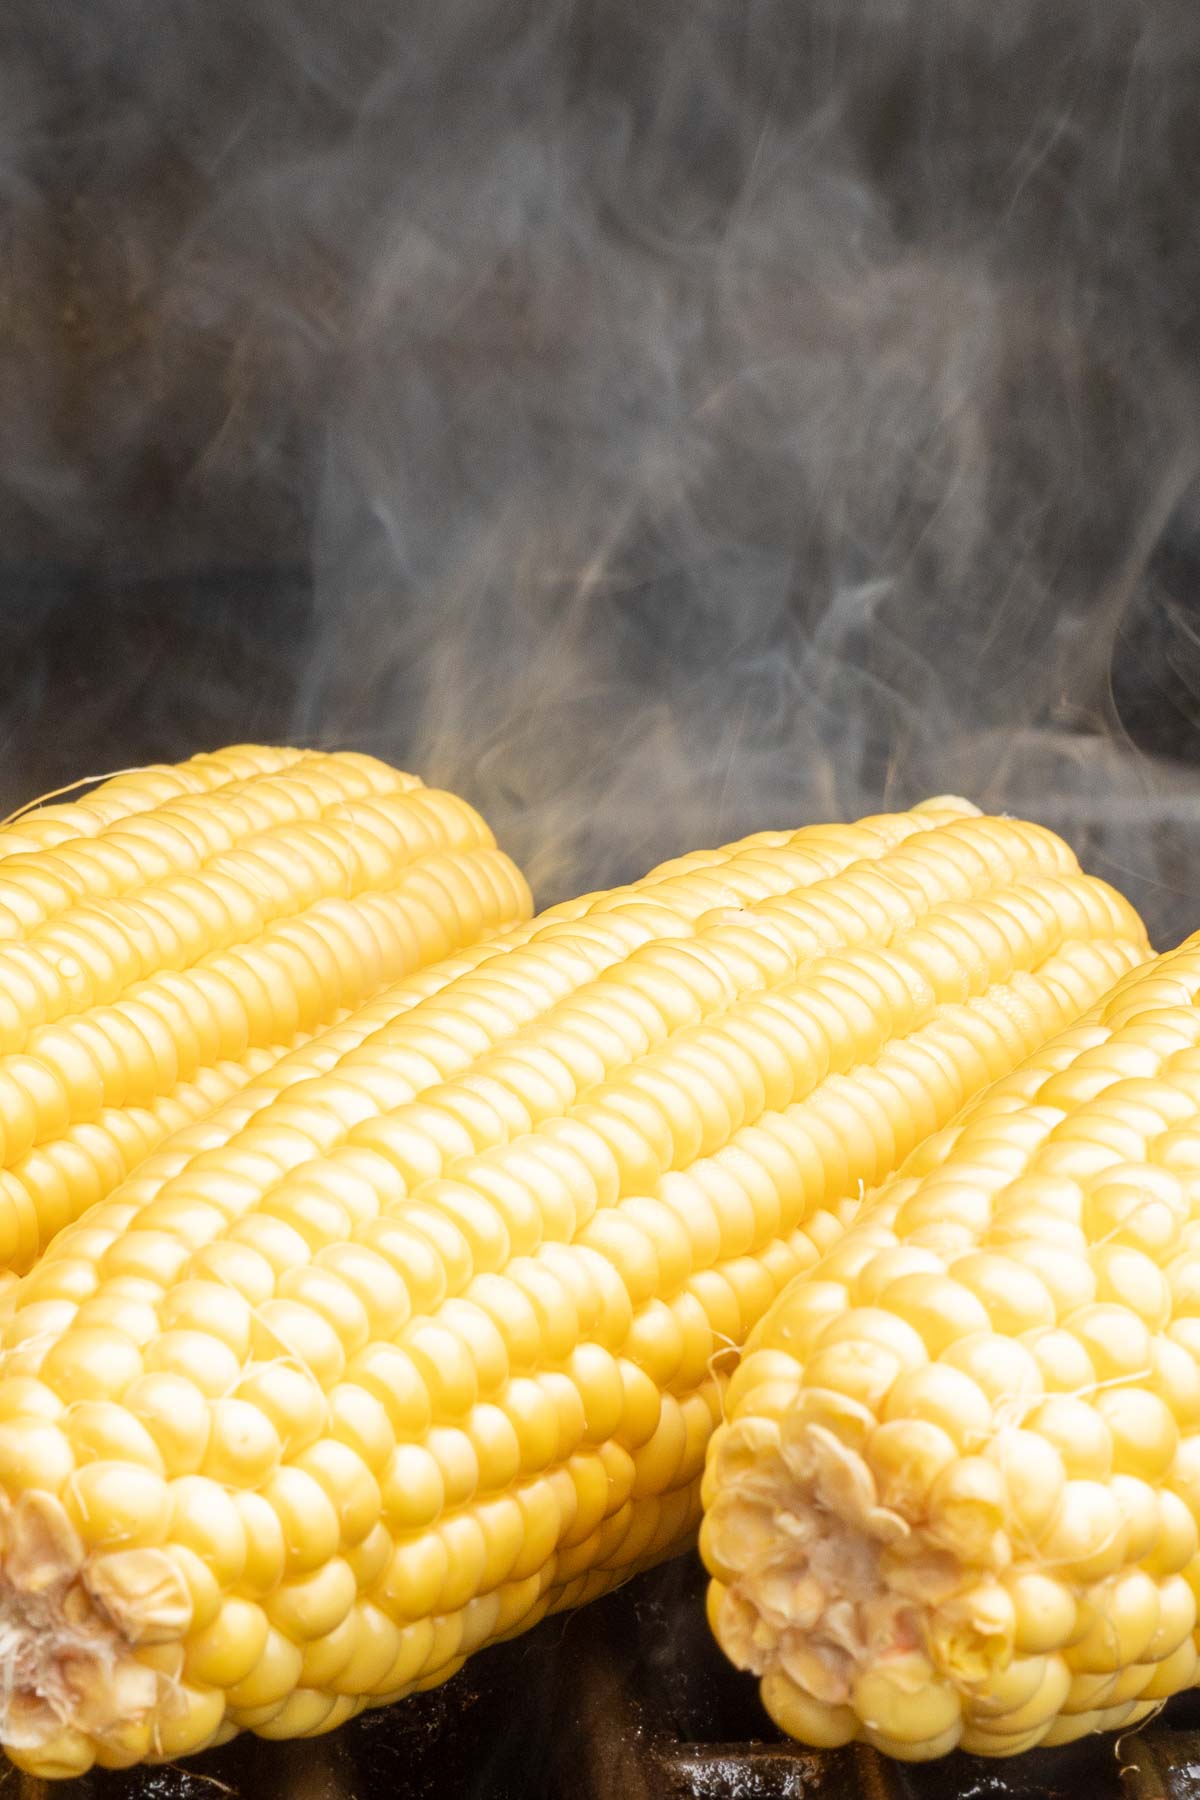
x: 425, y: 1332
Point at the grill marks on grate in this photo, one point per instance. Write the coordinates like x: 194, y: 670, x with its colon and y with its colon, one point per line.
x: 164, y: 940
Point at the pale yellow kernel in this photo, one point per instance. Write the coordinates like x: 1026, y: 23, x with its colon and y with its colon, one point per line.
x: 1119, y: 1618
x: 1178, y: 1539
x: 757, y: 1370
x: 175, y: 1413
x: 906, y: 1456
x: 642, y: 1408
x: 287, y: 1328
x: 1093, y: 1694
x: 1174, y: 1673
x: 1176, y: 1381
x: 290, y: 1399
x: 1126, y: 1276
x: 21, y: 1396
x: 103, y: 1431
x: 228, y: 1649
x: 189, y: 1723
x: 1176, y: 1618
x: 59, y: 1756
x: 208, y: 1307
x: 136, y: 1320
x: 1064, y: 1364
x: 1034, y: 1478
x: 1003, y: 1370
x: 410, y: 1586
x: 1142, y: 1430
x: 1060, y: 1266
x: 112, y: 1503
x: 275, y: 1673
x: 348, y: 1483
x: 502, y: 1524
x: 808, y: 1720
x: 243, y: 1446
x: 128, y: 1742
x: 305, y: 1713
x: 495, y: 1444
x: 443, y: 1364
x: 236, y: 1266
x: 977, y: 1740
x: 547, y: 1513
x: 802, y: 1317
x: 154, y: 1255
x: 967, y: 1511
x: 1117, y: 1217
x: 901, y: 1699
x: 325, y: 1657
x: 1116, y: 1340
x: 412, y: 1489
x: 312, y: 1605
x: 206, y: 1364
x: 266, y: 1556
x: 358, y: 1419
x: 1044, y: 1611
x: 311, y: 1532
x: 1077, y: 1432
x: 1087, y: 1537
x: 971, y: 1634
x: 205, y: 1520
x: 203, y: 1588
x: 370, y: 1558
x: 659, y: 1461
x: 928, y: 1749
x: 1033, y: 1714
x: 943, y: 1397
x: 875, y: 1325
x: 861, y: 1371
x: 376, y: 1647
x: 323, y: 1290
x: 1009, y: 1692
x: 873, y: 1276
x: 1014, y: 1296
x: 91, y: 1364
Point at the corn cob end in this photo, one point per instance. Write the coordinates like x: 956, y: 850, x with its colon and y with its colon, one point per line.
x: 865, y: 1625
x: 70, y: 1623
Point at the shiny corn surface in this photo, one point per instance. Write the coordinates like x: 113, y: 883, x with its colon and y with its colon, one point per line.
x: 166, y: 938
x: 425, y: 1334
x: 958, y: 1496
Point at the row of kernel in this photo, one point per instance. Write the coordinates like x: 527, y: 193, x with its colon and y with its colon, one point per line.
x: 101, y: 948
x: 125, y: 796
x: 280, y: 985
x: 179, y: 830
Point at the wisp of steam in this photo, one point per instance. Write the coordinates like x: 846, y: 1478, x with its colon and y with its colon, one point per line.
x: 657, y: 420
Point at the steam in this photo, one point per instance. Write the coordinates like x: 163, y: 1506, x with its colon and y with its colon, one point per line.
x: 679, y: 419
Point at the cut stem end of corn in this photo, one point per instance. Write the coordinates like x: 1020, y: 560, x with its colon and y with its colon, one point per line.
x: 70, y: 1628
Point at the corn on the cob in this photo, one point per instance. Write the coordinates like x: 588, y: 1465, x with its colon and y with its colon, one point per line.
x: 369, y: 1369
x: 166, y: 938
x: 957, y: 1497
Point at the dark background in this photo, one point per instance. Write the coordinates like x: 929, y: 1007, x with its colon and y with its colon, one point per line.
x: 658, y: 420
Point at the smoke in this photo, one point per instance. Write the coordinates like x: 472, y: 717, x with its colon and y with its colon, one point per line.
x: 659, y: 421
